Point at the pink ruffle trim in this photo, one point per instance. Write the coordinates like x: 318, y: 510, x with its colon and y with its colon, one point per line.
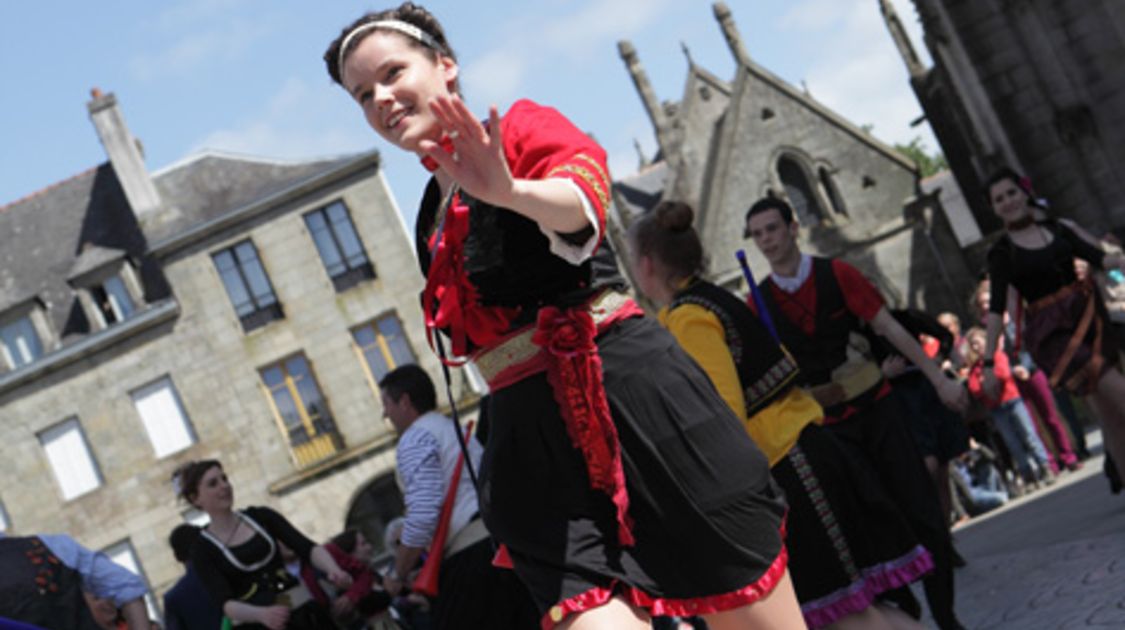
x: 858, y: 596
x: 660, y: 606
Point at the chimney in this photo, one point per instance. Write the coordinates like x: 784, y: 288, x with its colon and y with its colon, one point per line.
x: 902, y: 40
x: 124, y: 153
x: 730, y: 32
x: 644, y: 89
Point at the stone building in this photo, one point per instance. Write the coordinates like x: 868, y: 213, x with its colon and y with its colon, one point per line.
x: 223, y: 307
x: 726, y: 143
x: 1037, y: 85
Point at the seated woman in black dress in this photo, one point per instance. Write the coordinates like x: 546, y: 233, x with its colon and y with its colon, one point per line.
x: 238, y: 560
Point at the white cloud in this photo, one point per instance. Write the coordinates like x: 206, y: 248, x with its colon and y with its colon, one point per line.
x: 859, y: 72
x: 497, y: 77
x: 296, y: 122
x: 814, y: 15
x: 600, y: 21
x: 500, y: 74
x: 221, y: 41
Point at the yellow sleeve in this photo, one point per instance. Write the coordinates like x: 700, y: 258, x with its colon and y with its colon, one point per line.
x: 701, y: 335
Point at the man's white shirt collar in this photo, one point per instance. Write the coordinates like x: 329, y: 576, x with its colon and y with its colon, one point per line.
x: 790, y: 285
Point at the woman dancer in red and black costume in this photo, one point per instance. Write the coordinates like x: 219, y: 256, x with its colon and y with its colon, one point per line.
x: 1066, y: 327
x: 614, y: 475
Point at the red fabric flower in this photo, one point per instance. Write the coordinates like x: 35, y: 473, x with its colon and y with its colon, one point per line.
x: 565, y: 333
x: 450, y: 300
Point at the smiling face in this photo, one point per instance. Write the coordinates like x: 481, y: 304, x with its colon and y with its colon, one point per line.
x: 215, y: 493
x: 393, y: 79
x: 1009, y: 201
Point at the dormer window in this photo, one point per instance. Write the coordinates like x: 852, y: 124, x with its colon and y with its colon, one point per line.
x: 107, y: 286
x: 19, y: 342
x: 113, y: 300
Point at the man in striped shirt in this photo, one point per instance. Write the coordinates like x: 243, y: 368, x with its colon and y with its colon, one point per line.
x: 472, y: 593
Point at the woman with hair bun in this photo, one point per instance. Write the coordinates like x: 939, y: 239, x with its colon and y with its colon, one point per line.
x: 238, y: 559
x: 1066, y: 327
x: 848, y: 543
x: 618, y: 492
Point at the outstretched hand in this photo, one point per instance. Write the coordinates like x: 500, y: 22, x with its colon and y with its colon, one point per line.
x: 477, y: 162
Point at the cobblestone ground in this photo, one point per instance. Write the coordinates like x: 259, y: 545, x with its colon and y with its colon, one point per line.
x: 1052, y: 560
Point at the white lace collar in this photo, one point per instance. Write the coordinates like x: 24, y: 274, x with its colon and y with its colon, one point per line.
x: 790, y: 285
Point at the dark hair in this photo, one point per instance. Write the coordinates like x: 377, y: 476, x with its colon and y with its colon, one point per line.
x: 1021, y: 182
x: 765, y: 204
x: 406, y: 12
x: 412, y: 380
x: 665, y: 233
x: 188, y: 476
x: 182, y: 539
x: 346, y: 540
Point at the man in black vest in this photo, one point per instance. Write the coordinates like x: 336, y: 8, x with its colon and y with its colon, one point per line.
x: 42, y: 579
x: 821, y: 308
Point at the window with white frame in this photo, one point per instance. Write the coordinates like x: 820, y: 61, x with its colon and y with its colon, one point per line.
x: 163, y: 416
x: 20, y: 343
x: 124, y: 555
x: 71, y: 459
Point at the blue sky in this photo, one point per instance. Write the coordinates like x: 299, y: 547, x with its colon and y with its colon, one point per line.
x: 246, y: 76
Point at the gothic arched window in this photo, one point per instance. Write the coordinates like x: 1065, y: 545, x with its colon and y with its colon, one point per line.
x: 799, y: 191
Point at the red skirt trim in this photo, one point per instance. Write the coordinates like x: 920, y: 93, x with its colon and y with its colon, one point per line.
x: 660, y: 606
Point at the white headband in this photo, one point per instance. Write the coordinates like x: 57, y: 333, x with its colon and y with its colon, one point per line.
x: 405, y: 28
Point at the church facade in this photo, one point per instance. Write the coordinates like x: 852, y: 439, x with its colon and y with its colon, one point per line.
x: 726, y: 143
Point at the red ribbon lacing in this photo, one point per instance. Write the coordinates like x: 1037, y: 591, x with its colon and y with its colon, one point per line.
x: 450, y: 301
x: 574, y: 371
x: 429, y: 163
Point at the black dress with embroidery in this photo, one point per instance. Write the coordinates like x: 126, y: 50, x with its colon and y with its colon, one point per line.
x: 848, y: 543
x: 705, y: 513
x: 254, y: 571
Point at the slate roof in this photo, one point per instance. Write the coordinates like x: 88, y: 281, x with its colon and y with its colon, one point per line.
x: 212, y: 184
x: 638, y: 193
x: 79, y: 223
x: 42, y: 234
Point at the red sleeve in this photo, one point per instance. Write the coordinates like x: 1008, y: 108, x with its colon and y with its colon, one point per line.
x: 974, y: 380
x: 362, y: 576
x: 1001, y: 367
x: 540, y: 143
x: 861, y: 297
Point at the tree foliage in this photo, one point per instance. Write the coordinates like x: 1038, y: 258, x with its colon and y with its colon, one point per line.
x: 928, y: 163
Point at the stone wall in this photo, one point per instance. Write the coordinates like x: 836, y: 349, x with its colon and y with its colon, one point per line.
x: 214, y: 367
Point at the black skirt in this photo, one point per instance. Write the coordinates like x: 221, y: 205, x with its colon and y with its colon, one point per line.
x: 707, y: 517
x: 848, y: 543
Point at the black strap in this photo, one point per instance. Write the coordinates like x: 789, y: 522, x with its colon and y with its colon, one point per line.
x: 453, y: 412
